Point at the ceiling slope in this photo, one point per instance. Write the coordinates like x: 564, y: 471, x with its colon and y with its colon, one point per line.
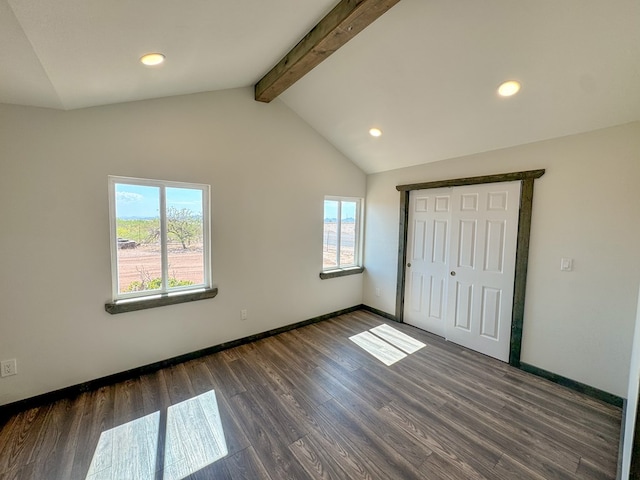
x: 22, y: 79
x: 426, y: 73
x: 80, y: 53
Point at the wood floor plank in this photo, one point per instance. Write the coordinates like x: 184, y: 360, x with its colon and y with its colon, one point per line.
x: 375, y: 420
x: 281, y: 344
x: 329, y: 445
x: 231, y: 354
x: 439, y: 446
x: 55, y: 453
x: 312, y: 404
x: 499, y: 438
x: 284, y: 422
x: 7, y: 432
x: 59, y: 463
x: 20, y: 473
x: 304, y: 345
x: 315, y: 460
x: 439, y: 467
x: 358, y: 402
x: 588, y: 470
x: 178, y: 384
x: 127, y: 450
x: 379, y: 452
x: 200, y: 377
x: 246, y: 373
x: 224, y: 377
x: 541, y: 386
x: 246, y: 465
x: 555, y: 395
x: 446, y: 438
x: 396, y: 380
x: 266, y: 435
x: 195, y: 438
x: 217, y: 471
x: 8, y: 435
x: 40, y: 444
x: 355, y: 462
x: 202, y: 381
x: 512, y: 395
x: 553, y: 406
x: 570, y: 438
x: 155, y: 395
x: 27, y: 438
x: 507, y: 467
x: 338, y: 384
x: 285, y: 376
x: 97, y: 417
x: 128, y: 401
x: 327, y: 343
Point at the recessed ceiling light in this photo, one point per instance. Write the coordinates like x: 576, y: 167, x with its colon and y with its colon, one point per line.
x: 509, y: 88
x: 151, y: 59
x: 375, y: 132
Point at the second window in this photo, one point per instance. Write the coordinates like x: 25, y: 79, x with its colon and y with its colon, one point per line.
x: 341, y: 241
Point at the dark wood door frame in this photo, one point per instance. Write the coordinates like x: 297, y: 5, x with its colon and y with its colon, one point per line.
x: 522, y: 249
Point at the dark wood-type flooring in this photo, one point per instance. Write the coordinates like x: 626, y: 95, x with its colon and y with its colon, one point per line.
x: 310, y: 403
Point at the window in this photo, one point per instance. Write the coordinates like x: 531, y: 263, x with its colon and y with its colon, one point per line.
x: 159, y: 238
x: 341, y: 240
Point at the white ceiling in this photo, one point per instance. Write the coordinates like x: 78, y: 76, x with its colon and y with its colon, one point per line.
x: 425, y: 73
x: 79, y: 53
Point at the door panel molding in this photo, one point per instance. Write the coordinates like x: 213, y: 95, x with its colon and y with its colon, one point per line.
x: 522, y: 248
x: 428, y: 254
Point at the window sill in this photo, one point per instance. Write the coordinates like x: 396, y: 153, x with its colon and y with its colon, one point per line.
x: 131, y: 305
x: 341, y: 272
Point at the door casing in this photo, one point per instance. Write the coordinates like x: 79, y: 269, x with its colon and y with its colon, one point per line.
x: 522, y: 250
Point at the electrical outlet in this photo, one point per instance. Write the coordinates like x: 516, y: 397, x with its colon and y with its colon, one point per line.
x: 8, y: 368
x: 243, y: 314
x: 377, y: 292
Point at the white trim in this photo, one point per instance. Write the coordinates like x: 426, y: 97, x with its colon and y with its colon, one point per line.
x: 113, y: 234
x: 339, y: 234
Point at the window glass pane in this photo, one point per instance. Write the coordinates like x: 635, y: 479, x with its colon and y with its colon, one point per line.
x: 185, y: 236
x: 330, y: 238
x: 138, y: 231
x: 348, y: 234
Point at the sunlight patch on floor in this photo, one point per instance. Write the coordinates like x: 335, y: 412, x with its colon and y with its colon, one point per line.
x: 127, y: 451
x: 396, y: 337
x: 194, y: 439
x: 381, y: 342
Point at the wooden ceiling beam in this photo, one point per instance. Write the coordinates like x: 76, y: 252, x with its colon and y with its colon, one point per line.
x: 340, y: 25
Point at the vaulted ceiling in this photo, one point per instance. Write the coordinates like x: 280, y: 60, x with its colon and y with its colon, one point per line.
x: 426, y: 72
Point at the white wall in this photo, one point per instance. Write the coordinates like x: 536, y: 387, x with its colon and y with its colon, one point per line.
x: 269, y: 172
x: 577, y: 324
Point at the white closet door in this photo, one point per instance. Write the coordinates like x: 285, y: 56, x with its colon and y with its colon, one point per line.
x: 484, y: 229
x: 427, y: 259
x: 461, y: 249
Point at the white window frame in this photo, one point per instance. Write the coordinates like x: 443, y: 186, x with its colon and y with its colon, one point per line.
x: 358, y: 232
x: 206, y: 234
